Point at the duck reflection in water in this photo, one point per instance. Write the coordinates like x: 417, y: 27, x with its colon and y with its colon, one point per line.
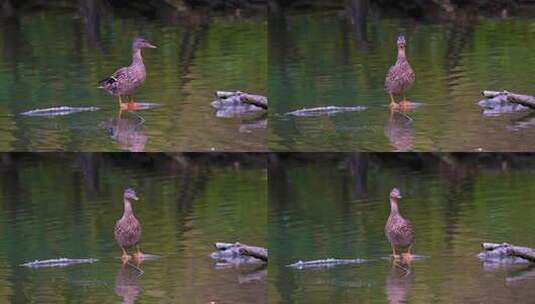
x: 399, y: 131
x: 127, y: 284
x: 399, y: 282
x: 127, y: 131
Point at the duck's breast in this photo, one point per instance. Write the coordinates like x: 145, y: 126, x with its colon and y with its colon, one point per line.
x: 399, y: 78
x: 127, y: 231
x: 399, y: 231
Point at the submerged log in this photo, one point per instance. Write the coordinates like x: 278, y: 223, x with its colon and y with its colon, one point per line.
x: 327, y: 263
x: 58, y: 111
x: 328, y: 110
x: 505, y: 96
x: 60, y: 262
x: 241, y: 97
x: 242, y: 249
x: 508, y: 250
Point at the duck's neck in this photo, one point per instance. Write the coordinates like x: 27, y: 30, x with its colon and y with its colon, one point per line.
x: 401, y: 55
x: 394, y: 206
x: 136, y: 57
x: 127, y: 208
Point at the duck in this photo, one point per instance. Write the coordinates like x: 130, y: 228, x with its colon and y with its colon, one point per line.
x: 400, y: 76
x: 398, y: 230
x: 127, y: 229
x: 126, y: 80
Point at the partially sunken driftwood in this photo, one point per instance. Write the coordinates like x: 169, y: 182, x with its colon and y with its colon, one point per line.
x: 496, y: 98
x: 328, y: 110
x: 508, y: 250
x: 243, y: 250
x: 327, y: 263
x: 58, y: 111
x: 241, y: 97
x: 61, y: 262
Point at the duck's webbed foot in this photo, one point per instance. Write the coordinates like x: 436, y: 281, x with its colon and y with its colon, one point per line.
x: 125, y: 257
x: 124, y: 106
x: 396, y: 257
x: 404, y: 104
x: 130, y: 105
x: 408, y: 255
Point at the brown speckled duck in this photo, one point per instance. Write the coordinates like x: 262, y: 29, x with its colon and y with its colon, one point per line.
x: 400, y: 76
x: 127, y: 229
x: 126, y: 79
x: 398, y: 230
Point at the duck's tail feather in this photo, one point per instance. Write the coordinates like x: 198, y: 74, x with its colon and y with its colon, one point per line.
x: 106, y: 82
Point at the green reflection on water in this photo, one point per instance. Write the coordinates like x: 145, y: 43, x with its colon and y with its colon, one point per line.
x: 323, y: 59
x: 57, y: 57
x: 321, y: 208
x: 65, y: 206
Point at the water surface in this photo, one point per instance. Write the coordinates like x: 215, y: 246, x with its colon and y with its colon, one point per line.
x: 330, y: 58
x: 337, y: 207
x: 56, y: 57
x: 53, y: 207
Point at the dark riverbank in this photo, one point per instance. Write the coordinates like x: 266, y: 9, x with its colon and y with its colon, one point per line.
x: 150, y: 8
x: 419, y: 9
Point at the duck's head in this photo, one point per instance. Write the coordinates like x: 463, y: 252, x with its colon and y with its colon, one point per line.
x: 130, y: 194
x: 395, y: 194
x: 401, y: 42
x: 140, y: 42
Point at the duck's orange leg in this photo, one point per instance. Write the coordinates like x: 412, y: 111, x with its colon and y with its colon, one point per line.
x: 129, y: 105
x: 120, y: 101
x: 408, y: 256
x: 138, y: 255
x: 404, y: 103
x: 394, y: 255
x: 125, y: 257
x: 124, y: 105
x: 393, y: 105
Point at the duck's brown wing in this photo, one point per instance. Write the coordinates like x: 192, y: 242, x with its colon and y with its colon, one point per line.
x: 399, y: 231
x: 114, y: 82
x: 406, y: 233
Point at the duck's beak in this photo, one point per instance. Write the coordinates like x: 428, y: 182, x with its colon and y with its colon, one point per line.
x: 135, y: 198
x: 150, y: 45
x: 397, y: 196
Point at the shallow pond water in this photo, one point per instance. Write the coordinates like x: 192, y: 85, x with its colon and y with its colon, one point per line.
x: 57, y: 55
x: 337, y: 208
x: 328, y: 59
x: 67, y: 206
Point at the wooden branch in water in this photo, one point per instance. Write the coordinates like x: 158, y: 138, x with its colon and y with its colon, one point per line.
x: 253, y: 251
x: 505, y: 249
x: 257, y: 100
x: 61, y: 262
x: 525, y: 100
